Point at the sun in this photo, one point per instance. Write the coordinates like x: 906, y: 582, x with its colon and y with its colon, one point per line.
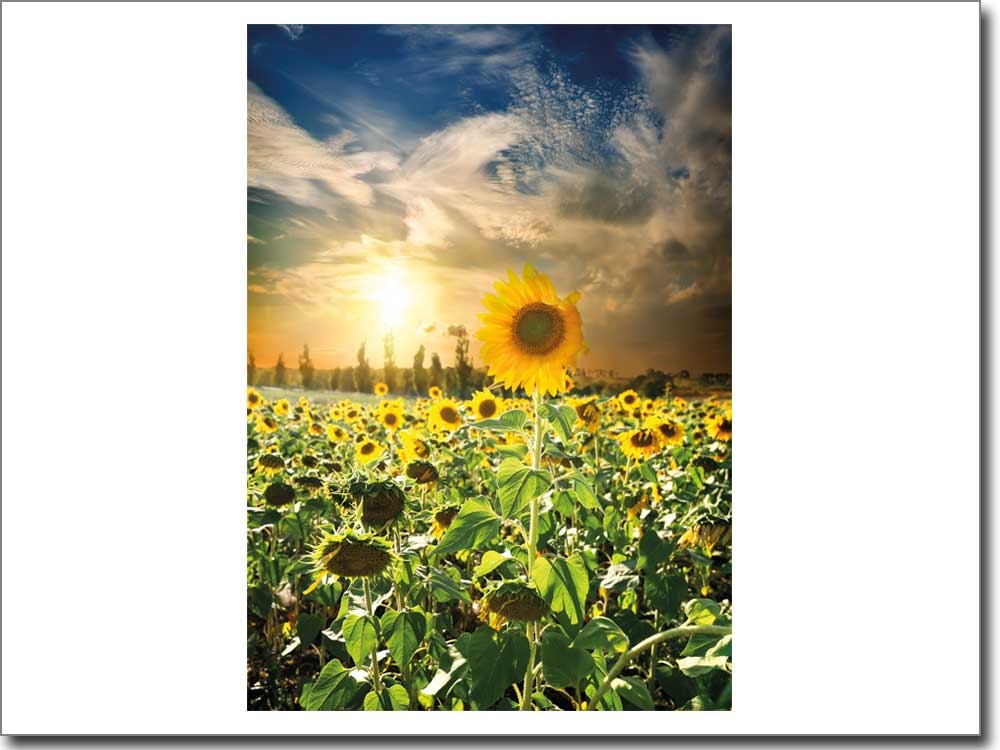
x: 392, y: 298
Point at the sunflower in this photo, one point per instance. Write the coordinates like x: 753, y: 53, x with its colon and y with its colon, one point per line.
x: 514, y: 601
x: 381, y: 389
x: 279, y: 493
x: 349, y: 556
x: 589, y: 415
x: 335, y: 433
x: 271, y: 463
x: 567, y: 383
x: 413, y: 447
x: 381, y: 502
x: 422, y: 472
x: 390, y: 414
x: 315, y: 428
x: 485, y: 405
x: 628, y: 399
x: 281, y: 407
x: 254, y: 399
x: 367, y: 451
x: 530, y: 335
x: 351, y: 413
x: 434, y: 392
x: 444, y: 415
x: 667, y: 431
x: 678, y: 402
x: 720, y: 426
x: 639, y: 443
x: 267, y: 424
x: 442, y: 520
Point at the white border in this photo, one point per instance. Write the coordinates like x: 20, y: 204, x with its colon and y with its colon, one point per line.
x: 855, y: 260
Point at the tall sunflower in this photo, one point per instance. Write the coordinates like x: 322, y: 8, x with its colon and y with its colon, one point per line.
x: 530, y: 335
x: 639, y: 443
x: 485, y: 405
x: 390, y: 414
x: 444, y: 415
x: 667, y: 431
x: 367, y: 451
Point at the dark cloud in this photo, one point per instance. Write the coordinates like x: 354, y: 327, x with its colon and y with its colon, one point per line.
x: 603, y: 198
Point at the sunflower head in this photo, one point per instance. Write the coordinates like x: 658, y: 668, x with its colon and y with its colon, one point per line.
x: 443, y: 519
x: 267, y: 424
x: 367, y: 450
x: 530, y: 335
x: 279, y: 493
x: 310, y: 484
x: 381, y: 389
x: 413, y: 447
x: 336, y: 434
x: 434, y: 392
x: 422, y: 472
x: 350, y: 555
x: 514, y: 601
x: 390, y: 414
x: 485, y: 405
x: 254, y: 399
x: 282, y: 407
x: 628, y: 400
x: 315, y: 428
x: 271, y: 463
x: 444, y: 415
x: 639, y: 443
x: 720, y: 426
x: 589, y: 415
x: 381, y: 502
x: 667, y: 431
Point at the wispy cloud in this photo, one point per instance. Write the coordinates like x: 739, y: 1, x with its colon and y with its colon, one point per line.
x: 294, y: 30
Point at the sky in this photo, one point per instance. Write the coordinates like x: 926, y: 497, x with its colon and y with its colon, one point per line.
x: 395, y: 172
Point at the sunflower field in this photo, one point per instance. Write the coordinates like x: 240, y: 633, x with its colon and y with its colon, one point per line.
x: 541, y: 551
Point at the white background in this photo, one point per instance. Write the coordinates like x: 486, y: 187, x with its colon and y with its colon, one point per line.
x: 855, y: 361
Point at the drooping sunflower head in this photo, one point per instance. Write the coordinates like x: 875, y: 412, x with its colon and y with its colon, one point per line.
x: 391, y: 414
x: 279, y: 493
x: 267, y: 424
x: 444, y: 415
x: 422, y: 472
x: 270, y: 463
x: 381, y: 389
x: 589, y: 415
x: 367, y: 450
x: 530, y: 336
x: 443, y: 519
x: 434, y: 392
x: 381, y: 502
x: 282, y: 407
x: 310, y: 484
x: 349, y: 555
x: 514, y: 601
x: 413, y: 447
x: 315, y: 428
x: 667, y: 431
x: 336, y: 434
x: 485, y: 405
x: 639, y: 443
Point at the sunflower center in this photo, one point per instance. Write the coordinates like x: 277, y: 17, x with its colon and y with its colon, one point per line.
x: 630, y: 399
x: 367, y: 448
x: 539, y: 328
x: 390, y: 419
x: 667, y: 430
x: 642, y: 439
x: 488, y: 408
x: 449, y: 415
x: 420, y: 448
x: 726, y: 426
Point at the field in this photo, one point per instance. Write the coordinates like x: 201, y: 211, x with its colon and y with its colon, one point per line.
x: 546, y: 553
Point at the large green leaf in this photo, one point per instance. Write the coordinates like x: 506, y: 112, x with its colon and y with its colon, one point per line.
x: 585, y: 493
x: 509, y: 421
x: 496, y: 661
x: 563, y: 583
x: 563, y: 664
x: 475, y: 526
x: 336, y: 689
x: 693, y: 666
x: 490, y: 562
x: 667, y: 592
x: 561, y: 418
x: 602, y: 633
x: 392, y: 698
x: 308, y: 627
x: 361, y: 636
x: 634, y: 691
x: 518, y: 485
x: 702, y: 612
x: 653, y: 550
x: 404, y: 632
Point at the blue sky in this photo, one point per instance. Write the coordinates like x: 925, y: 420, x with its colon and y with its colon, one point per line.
x: 395, y: 171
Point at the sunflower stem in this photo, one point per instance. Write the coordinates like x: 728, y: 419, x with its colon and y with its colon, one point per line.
x: 532, y: 549
x: 624, y: 659
x: 376, y: 678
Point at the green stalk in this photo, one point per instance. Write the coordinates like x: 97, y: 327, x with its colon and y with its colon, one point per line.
x: 376, y: 678
x: 633, y: 652
x: 532, y: 549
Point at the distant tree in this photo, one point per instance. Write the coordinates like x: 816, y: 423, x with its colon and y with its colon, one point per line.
x: 335, y: 379
x: 437, y: 371
x: 251, y: 369
x: 684, y: 375
x: 389, y: 371
x: 279, y: 371
x: 306, y: 368
x: 450, y: 381
x: 408, y: 386
x: 419, y: 373
x: 463, y: 365
x: 363, y: 373
x: 346, y: 379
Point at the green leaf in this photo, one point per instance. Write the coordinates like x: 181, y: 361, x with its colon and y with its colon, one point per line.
x: 445, y: 589
x: 404, y: 632
x: 392, y: 698
x: 585, y: 493
x: 518, y: 485
x: 647, y: 472
x: 509, y: 421
x: 563, y: 664
x: 308, y: 627
x: 620, y: 577
x: 336, y: 689
x: 561, y: 418
x: 602, y: 633
x: 490, y: 562
x: 458, y: 667
x: 634, y: 691
x: 475, y: 526
x: 702, y: 612
x: 693, y: 666
x: 260, y: 600
x: 563, y: 583
x: 666, y: 593
x: 653, y: 550
x: 496, y: 660
x: 360, y: 636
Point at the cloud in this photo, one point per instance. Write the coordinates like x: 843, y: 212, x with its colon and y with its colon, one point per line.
x: 254, y: 240
x: 294, y: 30
x: 284, y: 158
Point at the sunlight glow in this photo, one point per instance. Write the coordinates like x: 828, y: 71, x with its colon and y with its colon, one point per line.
x: 393, y: 299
